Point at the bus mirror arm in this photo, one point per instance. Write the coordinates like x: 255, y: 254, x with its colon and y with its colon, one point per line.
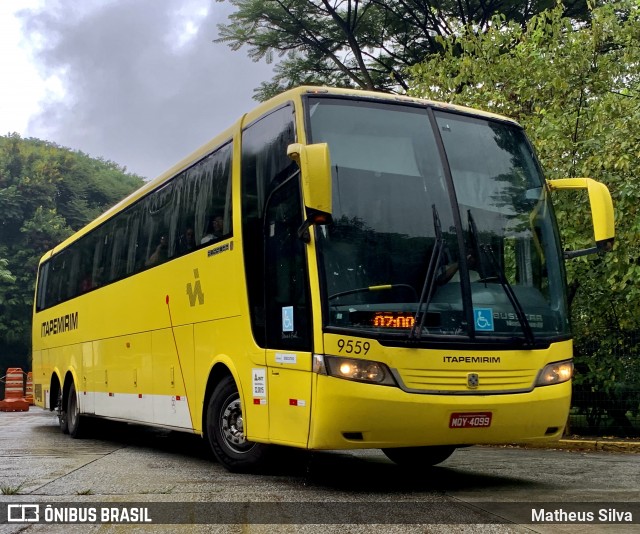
x: 603, y: 246
x: 315, y: 176
x: 601, y: 212
x: 313, y: 217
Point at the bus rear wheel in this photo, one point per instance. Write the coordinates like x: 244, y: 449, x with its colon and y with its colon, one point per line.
x: 225, y: 430
x: 62, y: 414
x: 419, y: 457
x: 76, y: 423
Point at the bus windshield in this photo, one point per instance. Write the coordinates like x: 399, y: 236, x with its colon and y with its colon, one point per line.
x: 442, y: 226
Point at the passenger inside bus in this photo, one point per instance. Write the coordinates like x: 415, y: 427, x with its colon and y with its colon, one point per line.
x: 188, y: 242
x: 451, y: 272
x: 214, y: 230
x: 160, y: 254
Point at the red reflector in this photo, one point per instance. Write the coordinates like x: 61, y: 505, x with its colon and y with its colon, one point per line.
x: 256, y: 401
x: 177, y: 397
x: 293, y: 402
x: 110, y: 394
x: 139, y: 395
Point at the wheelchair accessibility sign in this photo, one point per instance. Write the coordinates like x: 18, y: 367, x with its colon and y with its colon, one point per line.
x: 287, y: 318
x: 483, y: 319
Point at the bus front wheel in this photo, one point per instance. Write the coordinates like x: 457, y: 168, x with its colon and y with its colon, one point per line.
x: 419, y: 457
x: 225, y: 430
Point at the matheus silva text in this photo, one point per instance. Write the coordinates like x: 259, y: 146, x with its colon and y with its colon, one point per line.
x: 603, y: 515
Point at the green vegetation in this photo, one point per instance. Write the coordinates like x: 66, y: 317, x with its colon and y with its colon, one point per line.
x: 46, y: 193
x: 575, y: 88
x: 11, y: 490
x: 365, y: 44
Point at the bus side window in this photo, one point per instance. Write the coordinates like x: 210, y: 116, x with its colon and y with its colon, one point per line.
x: 84, y: 282
x: 133, y: 224
x: 120, y: 250
x: 76, y: 270
x: 43, y: 276
x: 55, y: 277
x: 145, y: 235
x: 212, y: 197
x: 182, y: 215
x: 101, y: 254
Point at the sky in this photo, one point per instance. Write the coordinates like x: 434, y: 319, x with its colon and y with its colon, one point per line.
x: 137, y: 82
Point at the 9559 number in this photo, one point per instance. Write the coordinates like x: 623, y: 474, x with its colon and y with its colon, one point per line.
x: 349, y: 346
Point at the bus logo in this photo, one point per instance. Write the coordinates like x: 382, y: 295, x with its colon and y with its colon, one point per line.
x: 473, y: 380
x: 195, y: 292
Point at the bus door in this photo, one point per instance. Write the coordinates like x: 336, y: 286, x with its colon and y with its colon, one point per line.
x: 287, y: 317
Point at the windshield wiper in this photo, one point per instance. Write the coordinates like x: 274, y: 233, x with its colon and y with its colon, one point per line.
x: 430, y: 278
x: 508, y: 289
x: 372, y: 288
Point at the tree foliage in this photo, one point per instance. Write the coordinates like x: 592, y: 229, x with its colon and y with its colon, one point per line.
x: 46, y: 193
x: 364, y: 44
x: 576, y: 90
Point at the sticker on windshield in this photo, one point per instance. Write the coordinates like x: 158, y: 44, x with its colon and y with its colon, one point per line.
x: 483, y: 319
x: 287, y: 318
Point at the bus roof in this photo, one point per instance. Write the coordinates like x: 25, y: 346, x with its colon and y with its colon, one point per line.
x: 369, y: 95
x: 226, y: 135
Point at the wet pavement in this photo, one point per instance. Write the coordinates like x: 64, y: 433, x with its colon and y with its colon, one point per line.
x: 175, y: 475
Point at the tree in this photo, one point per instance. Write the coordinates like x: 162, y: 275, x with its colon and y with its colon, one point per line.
x: 364, y: 44
x: 5, y: 274
x: 46, y: 193
x: 575, y: 88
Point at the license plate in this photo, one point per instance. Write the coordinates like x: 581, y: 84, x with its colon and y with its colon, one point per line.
x: 470, y: 420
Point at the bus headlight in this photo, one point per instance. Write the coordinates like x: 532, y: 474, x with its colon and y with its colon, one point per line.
x: 353, y: 369
x: 555, y: 373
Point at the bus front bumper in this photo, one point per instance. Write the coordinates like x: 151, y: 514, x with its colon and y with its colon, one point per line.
x: 350, y: 415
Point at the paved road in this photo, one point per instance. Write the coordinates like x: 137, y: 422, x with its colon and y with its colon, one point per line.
x: 126, y: 463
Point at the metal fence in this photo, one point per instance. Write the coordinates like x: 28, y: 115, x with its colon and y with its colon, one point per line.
x: 606, y: 388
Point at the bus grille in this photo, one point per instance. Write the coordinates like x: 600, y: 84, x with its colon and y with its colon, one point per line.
x: 462, y: 381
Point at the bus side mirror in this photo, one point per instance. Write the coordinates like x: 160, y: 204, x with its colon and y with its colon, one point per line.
x: 601, y: 212
x: 315, y: 170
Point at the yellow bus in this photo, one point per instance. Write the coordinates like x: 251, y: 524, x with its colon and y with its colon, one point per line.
x: 340, y: 269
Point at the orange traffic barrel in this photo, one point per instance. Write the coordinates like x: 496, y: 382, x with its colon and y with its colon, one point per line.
x: 14, y: 392
x: 28, y: 391
x: 14, y: 384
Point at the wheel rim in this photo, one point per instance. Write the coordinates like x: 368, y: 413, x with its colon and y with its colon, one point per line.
x: 73, y: 410
x: 232, y: 426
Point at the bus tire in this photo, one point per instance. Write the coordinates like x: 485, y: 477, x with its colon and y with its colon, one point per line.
x: 76, y: 423
x: 225, y: 430
x: 62, y: 414
x: 419, y: 457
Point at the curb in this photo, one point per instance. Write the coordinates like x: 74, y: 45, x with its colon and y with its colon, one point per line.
x: 585, y: 445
